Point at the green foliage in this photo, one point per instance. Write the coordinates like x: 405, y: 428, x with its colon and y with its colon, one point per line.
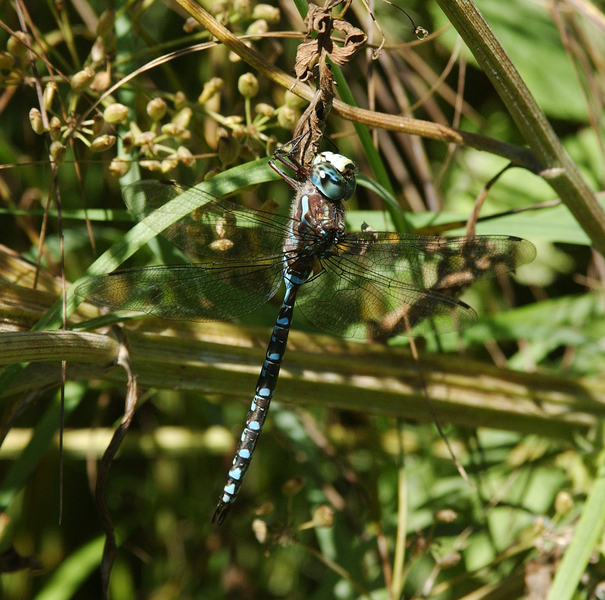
x: 353, y: 439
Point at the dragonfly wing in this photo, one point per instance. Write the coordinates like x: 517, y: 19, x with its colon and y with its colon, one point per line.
x: 433, y: 262
x: 347, y: 300
x: 211, y: 228
x: 382, y: 284
x: 218, y: 292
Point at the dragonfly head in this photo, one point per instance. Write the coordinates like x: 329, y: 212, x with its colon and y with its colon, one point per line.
x: 334, y: 176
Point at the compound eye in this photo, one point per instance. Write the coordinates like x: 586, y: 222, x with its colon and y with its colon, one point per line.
x: 329, y: 181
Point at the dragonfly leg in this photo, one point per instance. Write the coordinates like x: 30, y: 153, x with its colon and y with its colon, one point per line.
x: 260, y: 403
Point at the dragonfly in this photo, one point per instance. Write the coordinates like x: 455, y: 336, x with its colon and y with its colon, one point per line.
x: 350, y: 284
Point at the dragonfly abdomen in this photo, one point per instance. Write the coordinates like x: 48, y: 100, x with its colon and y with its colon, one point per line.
x: 261, y: 401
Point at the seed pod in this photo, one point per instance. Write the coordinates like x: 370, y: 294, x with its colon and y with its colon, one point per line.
x: 271, y: 145
x: 119, y: 167
x: 49, y: 94
x: 101, y: 82
x: 183, y: 117
x: 287, y: 118
x: 179, y: 100
x: 98, y: 122
x: 82, y: 79
x: 58, y: 152
x: 145, y: 138
x: 105, y: 22
x: 264, y: 109
x: 97, y: 52
x: 115, y: 113
x: 35, y: 120
x: 16, y: 44
x: 259, y: 527
x: 323, y: 516
x: 291, y: 100
x: 242, y: 8
x: 266, y: 12
x: 156, y: 109
x: 128, y: 141
x: 563, y: 503
x: 247, y: 85
x: 172, y: 129
x: 210, y: 88
x: 185, y: 156
x: 190, y: 25
x: 257, y: 28
x: 102, y: 143
x: 169, y: 163
x: 293, y: 486
x: 6, y: 61
x: 447, y: 515
x: 151, y: 165
x: 55, y: 128
x: 227, y: 149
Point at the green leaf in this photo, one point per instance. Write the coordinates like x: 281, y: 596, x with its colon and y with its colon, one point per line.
x: 529, y: 36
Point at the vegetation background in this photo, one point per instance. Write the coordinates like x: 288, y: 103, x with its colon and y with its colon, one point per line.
x: 520, y: 395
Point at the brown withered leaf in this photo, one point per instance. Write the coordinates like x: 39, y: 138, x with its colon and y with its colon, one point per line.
x: 321, y: 21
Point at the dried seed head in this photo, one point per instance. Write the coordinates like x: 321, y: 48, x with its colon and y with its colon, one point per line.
x: 115, y: 113
x: 102, y: 143
x: 119, y: 167
x: 156, y: 109
x: 210, y: 88
x: 57, y: 152
x: 35, y: 120
x: 82, y: 79
x: 266, y: 12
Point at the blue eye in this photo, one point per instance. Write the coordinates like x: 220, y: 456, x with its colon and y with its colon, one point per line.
x: 332, y: 182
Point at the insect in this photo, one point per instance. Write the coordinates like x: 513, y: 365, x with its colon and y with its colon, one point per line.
x: 364, y: 284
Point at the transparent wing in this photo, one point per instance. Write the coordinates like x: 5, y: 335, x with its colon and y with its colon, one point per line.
x: 189, y: 292
x: 213, y: 229
x: 382, y: 284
